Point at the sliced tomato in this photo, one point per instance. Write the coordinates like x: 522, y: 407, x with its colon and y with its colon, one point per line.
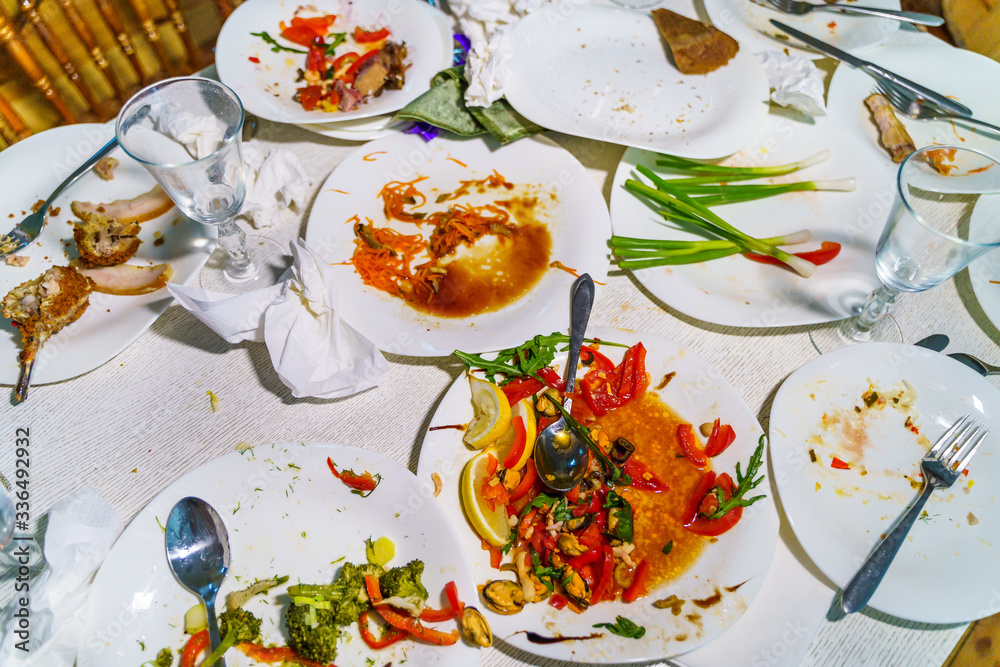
x: 520, y: 441
x: 254, y: 59
x: 520, y: 389
x: 604, y: 582
x: 301, y: 35
x: 495, y: 555
x: 551, y: 378
x: 642, y: 477
x: 702, y: 525
x: 606, y: 390
x: 839, y: 465
x: 362, y: 36
x: 527, y: 480
x: 309, y: 96
x: 689, y: 445
x: 558, y: 601
x: 638, y: 588
x: 722, y: 436
x: 586, y: 558
x: 828, y: 250
x: 591, y: 535
x: 413, y: 626
x: 316, y: 59
x: 388, y: 638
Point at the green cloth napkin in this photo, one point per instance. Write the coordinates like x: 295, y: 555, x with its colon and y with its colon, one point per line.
x: 444, y: 106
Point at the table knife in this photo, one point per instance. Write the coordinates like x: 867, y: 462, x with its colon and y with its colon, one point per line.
x: 875, y: 71
x: 936, y: 342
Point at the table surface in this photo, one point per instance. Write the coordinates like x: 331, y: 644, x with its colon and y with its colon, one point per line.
x: 140, y: 421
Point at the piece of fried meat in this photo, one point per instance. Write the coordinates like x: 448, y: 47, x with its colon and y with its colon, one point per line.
x: 42, y: 307
x: 697, y: 48
x: 104, y: 241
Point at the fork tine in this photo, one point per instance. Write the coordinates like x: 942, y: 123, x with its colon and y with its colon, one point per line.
x: 962, y: 443
x: 947, y: 439
x: 978, y: 440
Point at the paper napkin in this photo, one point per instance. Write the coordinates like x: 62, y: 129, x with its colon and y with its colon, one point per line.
x: 796, y: 81
x: 82, y: 527
x: 313, y: 351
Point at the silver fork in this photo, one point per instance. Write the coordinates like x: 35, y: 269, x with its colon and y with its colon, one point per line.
x: 918, y: 108
x: 941, y: 467
x: 29, y: 228
x: 799, y: 8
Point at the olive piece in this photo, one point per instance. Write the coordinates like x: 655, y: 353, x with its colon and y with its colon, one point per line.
x: 579, y: 522
x: 503, y: 597
x: 593, y: 481
x: 475, y: 628
x: 623, y: 575
x: 621, y: 450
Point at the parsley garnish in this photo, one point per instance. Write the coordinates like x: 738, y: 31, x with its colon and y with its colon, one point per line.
x: 620, y: 517
x: 545, y: 573
x: 623, y: 628
x: 338, y: 39
x: 275, y: 47
x: 744, y: 483
x: 669, y: 547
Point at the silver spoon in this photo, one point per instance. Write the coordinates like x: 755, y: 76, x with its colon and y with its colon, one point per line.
x: 975, y: 364
x: 560, y: 455
x: 198, y: 553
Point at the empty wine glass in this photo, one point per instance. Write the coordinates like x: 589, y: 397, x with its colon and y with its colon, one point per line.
x: 946, y: 214
x: 187, y: 132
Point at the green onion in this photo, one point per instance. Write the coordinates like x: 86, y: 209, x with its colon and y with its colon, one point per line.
x: 647, y: 253
x: 683, y: 164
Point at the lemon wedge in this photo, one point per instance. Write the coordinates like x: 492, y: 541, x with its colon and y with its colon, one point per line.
x: 491, y: 525
x: 492, y: 414
x: 505, y: 442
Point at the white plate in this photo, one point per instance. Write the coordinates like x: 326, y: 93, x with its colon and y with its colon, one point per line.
x: 578, y: 223
x: 735, y: 291
x: 750, y: 24
x: 604, y: 74
x: 37, y: 165
x: 698, y: 393
x: 934, y: 67
x: 266, y: 89
x: 945, y: 571
x: 363, y: 129
x: 281, y: 520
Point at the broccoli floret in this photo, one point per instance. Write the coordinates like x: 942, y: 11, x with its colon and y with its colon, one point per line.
x: 404, y: 581
x: 346, y: 594
x: 312, y: 628
x: 235, y: 626
x: 165, y: 658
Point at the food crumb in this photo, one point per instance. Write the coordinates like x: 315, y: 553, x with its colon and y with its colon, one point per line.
x: 135, y: 470
x: 666, y: 380
x: 972, y: 519
x: 37, y: 205
x: 438, y: 484
x: 54, y: 211
x: 213, y: 401
x: 105, y: 168
x: 818, y: 487
x: 16, y: 260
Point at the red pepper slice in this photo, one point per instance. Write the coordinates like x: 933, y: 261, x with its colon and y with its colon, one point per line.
x: 705, y: 485
x: 194, y: 647
x: 722, y: 436
x: 530, y: 475
x: 413, y: 626
x: 587, y: 574
x: 607, y: 390
x: 591, y: 535
x: 595, y: 359
x: 558, y: 601
x: 275, y: 654
x: 352, y: 72
x: 607, y: 574
x: 586, y: 558
x: 689, y: 445
x: 316, y: 59
x: 429, y: 615
x: 839, y: 465
x: 388, y: 638
x: 828, y: 250
x: 309, y: 96
x: 638, y: 588
x: 451, y: 590
x: 362, y: 36
x: 364, y: 483
x: 521, y: 389
x: 346, y: 59
x: 520, y: 441
x: 551, y: 378
x: 372, y: 587
x: 701, y: 525
x: 522, y: 528
x: 301, y: 35
x: 318, y: 24
x: 254, y: 59
x: 642, y: 477
x: 495, y: 555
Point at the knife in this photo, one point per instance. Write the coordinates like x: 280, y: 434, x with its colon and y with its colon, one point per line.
x: 875, y: 71
x: 936, y: 342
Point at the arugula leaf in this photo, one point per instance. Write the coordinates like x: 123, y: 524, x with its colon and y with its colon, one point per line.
x: 562, y: 512
x: 620, y: 518
x: 623, y: 628
x: 275, y: 47
x: 667, y: 549
x: 545, y: 573
x: 525, y: 360
x: 744, y: 483
x: 338, y: 39
x: 540, y: 500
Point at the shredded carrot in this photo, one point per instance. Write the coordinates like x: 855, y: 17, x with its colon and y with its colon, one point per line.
x: 458, y: 162
x: 369, y: 158
x: 334, y: 190
x: 494, y: 180
x: 396, y: 194
x: 981, y: 169
x: 466, y: 224
x: 559, y: 265
x: 387, y: 268
x: 937, y: 158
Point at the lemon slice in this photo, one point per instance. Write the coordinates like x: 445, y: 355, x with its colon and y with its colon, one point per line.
x: 492, y: 414
x: 492, y: 524
x: 505, y: 442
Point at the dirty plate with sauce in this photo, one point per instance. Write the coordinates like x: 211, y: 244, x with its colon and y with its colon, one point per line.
x: 749, y: 22
x: 541, y: 215
x: 716, y: 578
x: 848, y: 431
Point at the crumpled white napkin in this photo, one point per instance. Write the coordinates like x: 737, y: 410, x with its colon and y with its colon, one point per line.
x: 275, y: 180
x: 796, y: 81
x: 313, y: 351
x: 486, y: 23
x: 82, y: 527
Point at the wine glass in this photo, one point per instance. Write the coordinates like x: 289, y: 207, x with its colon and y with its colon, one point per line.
x: 941, y: 193
x: 186, y: 132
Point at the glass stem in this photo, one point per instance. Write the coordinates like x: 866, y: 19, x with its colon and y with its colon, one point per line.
x: 877, y: 305
x: 234, y: 241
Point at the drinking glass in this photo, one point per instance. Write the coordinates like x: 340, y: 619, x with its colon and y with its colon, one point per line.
x: 203, y: 176
x: 6, y: 527
x: 941, y: 193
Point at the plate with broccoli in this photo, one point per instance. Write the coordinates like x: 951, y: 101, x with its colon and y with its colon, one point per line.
x: 337, y: 554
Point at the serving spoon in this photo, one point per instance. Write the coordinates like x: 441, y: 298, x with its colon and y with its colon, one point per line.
x: 561, y: 457
x: 198, y: 553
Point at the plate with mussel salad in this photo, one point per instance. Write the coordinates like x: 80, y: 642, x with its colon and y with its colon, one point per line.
x: 666, y: 541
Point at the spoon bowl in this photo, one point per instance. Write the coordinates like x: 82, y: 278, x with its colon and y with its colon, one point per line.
x: 561, y: 457
x: 198, y: 553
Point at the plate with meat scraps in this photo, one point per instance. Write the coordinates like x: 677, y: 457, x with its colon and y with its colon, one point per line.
x: 848, y: 430
x: 749, y: 21
x: 734, y: 291
x: 110, y: 323
x: 480, y: 250
x: 267, y: 74
x: 935, y: 68
x: 605, y: 74
x: 285, y: 514
x: 712, y: 580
